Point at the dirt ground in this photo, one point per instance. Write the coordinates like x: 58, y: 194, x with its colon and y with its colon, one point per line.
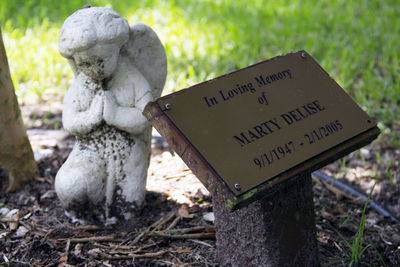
x: 176, y: 224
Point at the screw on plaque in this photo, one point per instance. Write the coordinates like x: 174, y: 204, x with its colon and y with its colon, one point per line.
x: 238, y: 187
x: 168, y: 106
x: 303, y: 55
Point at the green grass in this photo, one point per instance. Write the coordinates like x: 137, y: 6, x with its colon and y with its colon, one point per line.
x: 357, y: 42
x: 357, y: 246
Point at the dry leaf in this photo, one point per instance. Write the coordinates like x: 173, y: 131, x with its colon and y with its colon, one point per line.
x: 183, y: 211
x: 96, y: 252
x: 6, y: 260
x: 195, y: 208
x: 63, y: 259
x: 21, y: 232
x: 78, y: 249
x: 13, y: 215
x: 4, y: 211
x: 183, y: 250
x: 84, y: 234
x: 326, y: 215
x: 209, y: 217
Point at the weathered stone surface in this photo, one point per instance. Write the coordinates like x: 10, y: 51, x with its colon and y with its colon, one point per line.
x: 119, y: 69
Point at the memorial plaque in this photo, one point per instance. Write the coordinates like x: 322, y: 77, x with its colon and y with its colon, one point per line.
x: 256, y: 123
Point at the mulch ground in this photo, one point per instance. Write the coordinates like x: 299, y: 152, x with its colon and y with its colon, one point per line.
x: 176, y: 224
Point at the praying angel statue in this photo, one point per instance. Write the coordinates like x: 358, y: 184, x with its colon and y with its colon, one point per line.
x: 119, y: 69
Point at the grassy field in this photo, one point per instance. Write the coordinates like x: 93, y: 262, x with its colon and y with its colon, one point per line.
x: 356, y: 41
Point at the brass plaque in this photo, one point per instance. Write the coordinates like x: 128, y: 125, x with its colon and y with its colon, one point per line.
x: 257, y: 122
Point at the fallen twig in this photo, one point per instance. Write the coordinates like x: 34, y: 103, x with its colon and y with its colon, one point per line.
x: 98, y: 245
x: 112, y: 246
x: 174, y: 223
x: 115, y: 249
x: 210, y: 235
x: 184, y: 173
x: 139, y: 236
x: 154, y: 226
x: 191, y: 230
x: 44, y: 180
x: 49, y: 233
x: 202, y: 243
x: 151, y: 254
x: 165, y: 220
x: 144, y: 247
x: 64, y: 258
x: 88, y: 227
x: 90, y: 239
x: 118, y: 249
x: 97, y: 253
x: 67, y: 246
x: 206, y: 232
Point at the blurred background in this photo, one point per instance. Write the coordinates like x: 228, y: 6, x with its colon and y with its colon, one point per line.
x: 357, y: 42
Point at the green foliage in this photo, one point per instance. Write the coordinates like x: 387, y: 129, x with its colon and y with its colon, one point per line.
x: 355, y: 41
x: 37, y: 69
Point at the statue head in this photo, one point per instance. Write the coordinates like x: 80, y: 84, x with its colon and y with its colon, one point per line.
x: 91, y: 38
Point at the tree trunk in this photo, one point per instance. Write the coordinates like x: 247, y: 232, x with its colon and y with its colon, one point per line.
x: 16, y: 156
x: 278, y: 230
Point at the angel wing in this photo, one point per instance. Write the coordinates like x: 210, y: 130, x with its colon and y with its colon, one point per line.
x: 148, y: 55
